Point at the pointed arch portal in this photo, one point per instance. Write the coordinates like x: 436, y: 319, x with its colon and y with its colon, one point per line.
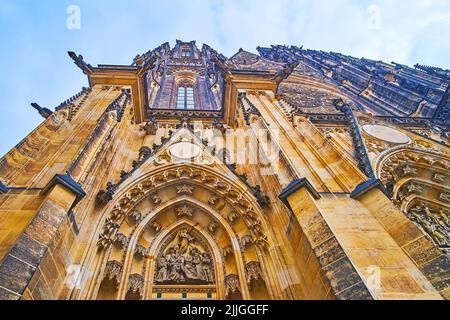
x: 183, y: 229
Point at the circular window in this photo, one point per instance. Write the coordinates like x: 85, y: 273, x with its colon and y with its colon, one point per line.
x: 386, y: 134
x: 185, y: 151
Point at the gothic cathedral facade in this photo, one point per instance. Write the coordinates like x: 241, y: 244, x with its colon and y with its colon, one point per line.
x: 288, y: 174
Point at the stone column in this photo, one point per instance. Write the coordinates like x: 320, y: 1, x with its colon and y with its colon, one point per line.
x: 357, y: 254
x: 30, y: 270
x: 330, y: 262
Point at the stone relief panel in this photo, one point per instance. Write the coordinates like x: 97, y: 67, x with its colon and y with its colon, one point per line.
x: 248, y: 61
x: 307, y: 100
x: 435, y: 221
x: 185, y: 260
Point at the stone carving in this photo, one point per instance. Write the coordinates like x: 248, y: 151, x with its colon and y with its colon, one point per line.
x: 121, y: 240
x: 212, y: 227
x: 232, y: 217
x: 185, y: 261
x: 248, y: 108
x: 104, y: 196
x: 388, y: 166
x: 232, y: 284
x: 227, y: 251
x: 307, y: 100
x: 156, y: 199
x: 110, y: 226
x: 140, y: 251
x: 136, y: 284
x: 113, y: 271
x: 184, y: 211
x: 246, y: 241
x: 213, y: 200
x: 435, y: 222
x: 439, y: 177
x: 150, y: 127
x: 261, y: 241
x: 408, y: 170
x: 262, y: 199
x: 135, y: 216
x: 156, y: 226
x: 361, y: 152
x: 184, y: 189
x: 413, y: 187
x: 104, y: 241
x: 44, y: 112
x: 444, y: 197
x: 253, y: 271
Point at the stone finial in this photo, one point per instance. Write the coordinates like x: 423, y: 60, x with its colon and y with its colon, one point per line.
x: 44, y: 112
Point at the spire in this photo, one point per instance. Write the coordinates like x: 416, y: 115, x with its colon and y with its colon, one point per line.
x: 79, y: 61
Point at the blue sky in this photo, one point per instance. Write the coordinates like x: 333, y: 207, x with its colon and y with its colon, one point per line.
x: 35, y: 38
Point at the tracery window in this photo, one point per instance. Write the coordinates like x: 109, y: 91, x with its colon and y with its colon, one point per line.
x: 185, y: 98
x: 185, y: 53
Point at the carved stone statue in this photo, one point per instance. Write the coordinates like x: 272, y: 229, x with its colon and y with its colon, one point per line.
x: 434, y: 222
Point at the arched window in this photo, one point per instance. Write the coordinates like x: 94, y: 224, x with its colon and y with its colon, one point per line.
x: 185, y: 99
x: 185, y: 53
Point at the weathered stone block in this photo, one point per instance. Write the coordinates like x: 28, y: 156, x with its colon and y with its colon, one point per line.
x: 29, y: 250
x: 15, y: 274
x: 342, y: 274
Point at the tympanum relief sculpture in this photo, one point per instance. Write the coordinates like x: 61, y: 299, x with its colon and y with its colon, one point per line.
x: 184, y: 261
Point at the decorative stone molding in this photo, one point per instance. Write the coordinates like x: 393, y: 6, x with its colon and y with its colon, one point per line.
x: 261, y: 241
x: 110, y: 226
x: 233, y: 217
x: 227, y: 251
x: 434, y: 221
x: 156, y: 199
x: 140, y: 251
x: 444, y: 196
x: 248, y: 108
x: 246, y: 241
x: 184, y: 211
x: 395, y: 157
x: 212, y: 227
x: 135, y: 216
x: 105, y: 196
x: 155, y: 226
x: 185, y: 189
x: 438, y: 177
x: 232, y: 284
x: 262, y: 199
x: 165, y: 289
x: 253, y: 271
x: 121, y: 240
x: 136, y: 284
x: 104, y: 241
x: 113, y: 271
x: 213, y: 200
